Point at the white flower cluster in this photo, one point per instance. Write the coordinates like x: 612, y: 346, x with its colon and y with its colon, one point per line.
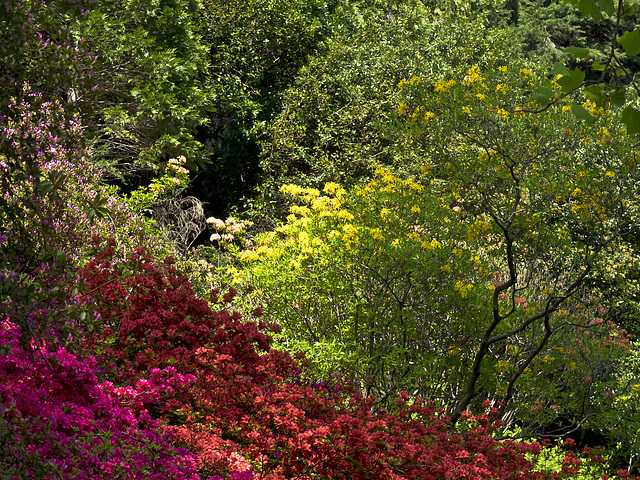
x: 176, y: 164
x: 227, y: 231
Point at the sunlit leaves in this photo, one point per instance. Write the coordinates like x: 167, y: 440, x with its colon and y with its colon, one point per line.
x: 630, y: 41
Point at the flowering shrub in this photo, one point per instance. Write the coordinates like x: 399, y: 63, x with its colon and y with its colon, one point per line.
x: 58, y: 421
x: 51, y: 201
x: 545, y: 235
x: 373, y: 270
x: 229, y: 232
x: 38, y: 47
x: 249, y: 412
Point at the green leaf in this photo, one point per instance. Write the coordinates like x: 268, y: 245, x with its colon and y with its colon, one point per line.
x: 582, y: 113
x: 543, y: 95
x: 630, y: 8
x: 597, y: 66
x: 618, y: 97
x: 595, y: 93
x: 607, y: 7
x: 577, y: 52
x: 631, y: 118
x: 590, y: 8
x: 44, y: 187
x: 559, y: 69
x: 630, y: 41
x: 572, y: 81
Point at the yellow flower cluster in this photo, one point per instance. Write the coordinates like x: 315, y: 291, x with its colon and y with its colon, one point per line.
x: 604, y: 137
x: 594, y: 110
x: 503, y: 366
x: 350, y: 234
x: 462, y: 288
x: 502, y: 113
x: 474, y: 78
x: 477, y: 230
x: 376, y: 234
x: 526, y: 73
x: 391, y: 183
x: 442, y: 86
x: 420, y: 113
x: 431, y: 245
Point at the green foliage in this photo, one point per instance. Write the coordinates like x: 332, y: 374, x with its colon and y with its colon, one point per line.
x: 334, y: 124
x: 622, y: 427
x: 612, y: 60
x: 170, y: 184
x: 593, y: 464
x: 327, y: 358
x: 37, y: 48
x: 150, y: 71
x: 254, y: 52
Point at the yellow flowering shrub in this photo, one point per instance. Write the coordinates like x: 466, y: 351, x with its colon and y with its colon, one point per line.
x: 371, y: 269
x: 542, y: 187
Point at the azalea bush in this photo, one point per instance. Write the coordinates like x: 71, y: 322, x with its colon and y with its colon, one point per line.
x: 377, y: 271
x: 59, y: 421
x: 492, y: 148
x: 249, y: 407
x: 391, y: 274
x: 51, y: 201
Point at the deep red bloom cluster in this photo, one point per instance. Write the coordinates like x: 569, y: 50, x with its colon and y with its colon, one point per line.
x: 248, y: 412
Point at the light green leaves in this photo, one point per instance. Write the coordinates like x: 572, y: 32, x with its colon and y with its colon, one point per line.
x: 603, y: 94
x: 578, y: 52
x: 543, y: 95
x: 630, y: 41
x: 590, y: 8
x: 608, y: 7
x: 574, y: 79
x: 582, y: 113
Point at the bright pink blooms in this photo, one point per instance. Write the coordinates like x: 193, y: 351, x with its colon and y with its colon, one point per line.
x: 63, y: 422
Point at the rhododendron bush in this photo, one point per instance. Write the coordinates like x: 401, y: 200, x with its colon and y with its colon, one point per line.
x: 51, y: 199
